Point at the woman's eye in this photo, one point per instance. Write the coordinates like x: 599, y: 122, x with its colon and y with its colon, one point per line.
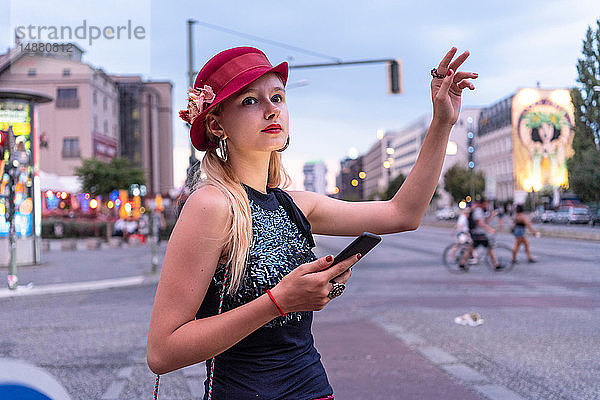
x: 277, y: 98
x: 249, y: 101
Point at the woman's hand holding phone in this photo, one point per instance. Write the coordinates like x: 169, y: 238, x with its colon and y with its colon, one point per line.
x: 307, y: 287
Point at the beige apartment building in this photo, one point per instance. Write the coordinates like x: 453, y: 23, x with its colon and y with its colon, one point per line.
x: 86, y: 118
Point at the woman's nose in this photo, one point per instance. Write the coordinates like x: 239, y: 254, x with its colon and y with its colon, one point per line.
x: 272, y: 111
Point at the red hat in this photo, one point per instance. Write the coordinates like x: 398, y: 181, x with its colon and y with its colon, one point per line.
x: 222, y: 76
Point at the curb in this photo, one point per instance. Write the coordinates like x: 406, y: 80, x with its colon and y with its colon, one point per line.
x: 75, y: 287
x: 87, y: 244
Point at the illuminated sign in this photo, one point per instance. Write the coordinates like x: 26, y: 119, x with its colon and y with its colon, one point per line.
x: 542, y: 123
x: 17, y: 114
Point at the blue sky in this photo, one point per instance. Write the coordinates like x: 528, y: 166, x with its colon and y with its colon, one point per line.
x: 512, y: 43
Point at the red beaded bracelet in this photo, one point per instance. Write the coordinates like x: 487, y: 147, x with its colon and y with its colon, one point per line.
x: 276, y: 305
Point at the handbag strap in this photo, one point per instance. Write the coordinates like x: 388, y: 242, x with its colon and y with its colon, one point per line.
x: 212, y: 360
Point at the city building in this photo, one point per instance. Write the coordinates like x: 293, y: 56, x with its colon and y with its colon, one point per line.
x: 145, y: 121
x: 94, y: 114
x: 377, y: 166
x: 314, y: 176
x: 523, y: 142
x: 82, y: 121
x: 350, y: 180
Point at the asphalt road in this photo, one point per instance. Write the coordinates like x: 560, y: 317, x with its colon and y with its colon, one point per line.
x: 390, y: 336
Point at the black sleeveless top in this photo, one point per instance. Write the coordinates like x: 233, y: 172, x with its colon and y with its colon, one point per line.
x: 279, y: 360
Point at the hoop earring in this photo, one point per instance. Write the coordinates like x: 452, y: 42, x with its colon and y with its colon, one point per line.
x: 287, y: 143
x: 223, y: 148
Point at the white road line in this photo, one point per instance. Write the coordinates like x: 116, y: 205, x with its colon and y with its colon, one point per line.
x: 437, y: 355
x: 77, y: 286
x: 497, y: 392
x: 114, y: 390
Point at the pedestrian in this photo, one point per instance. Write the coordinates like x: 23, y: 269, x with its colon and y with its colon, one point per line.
x: 521, y: 224
x: 239, y: 280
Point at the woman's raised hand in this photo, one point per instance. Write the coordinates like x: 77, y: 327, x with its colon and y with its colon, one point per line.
x: 446, y: 92
x: 307, y: 287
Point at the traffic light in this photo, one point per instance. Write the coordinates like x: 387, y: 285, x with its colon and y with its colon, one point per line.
x: 395, y: 77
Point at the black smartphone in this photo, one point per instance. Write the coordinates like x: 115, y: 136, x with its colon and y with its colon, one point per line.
x: 362, y: 244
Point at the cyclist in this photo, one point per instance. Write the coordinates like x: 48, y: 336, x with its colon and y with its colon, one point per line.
x: 477, y: 229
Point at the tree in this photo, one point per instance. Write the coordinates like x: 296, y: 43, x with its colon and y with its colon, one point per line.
x: 393, y: 187
x: 584, y: 175
x: 457, y: 182
x: 100, y: 178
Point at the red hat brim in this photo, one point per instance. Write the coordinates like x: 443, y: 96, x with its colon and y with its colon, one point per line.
x: 197, y: 132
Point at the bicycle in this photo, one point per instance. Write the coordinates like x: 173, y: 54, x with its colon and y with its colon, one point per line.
x: 454, y: 253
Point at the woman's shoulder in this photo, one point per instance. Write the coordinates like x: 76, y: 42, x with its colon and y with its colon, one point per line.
x: 209, y: 201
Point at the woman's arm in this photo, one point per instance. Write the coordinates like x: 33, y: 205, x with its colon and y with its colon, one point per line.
x: 175, y: 338
x: 406, y: 209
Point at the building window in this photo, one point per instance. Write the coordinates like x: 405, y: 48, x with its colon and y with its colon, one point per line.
x: 31, y: 72
x: 67, y: 98
x: 95, y: 97
x: 104, y: 104
x: 106, y: 127
x: 70, y: 147
x: 67, y: 72
x: 95, y: 123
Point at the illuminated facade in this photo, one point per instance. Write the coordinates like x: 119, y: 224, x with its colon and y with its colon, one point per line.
x: 523, y: 142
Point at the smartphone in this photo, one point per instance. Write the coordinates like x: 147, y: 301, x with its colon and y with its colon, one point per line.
x: 362, y: 244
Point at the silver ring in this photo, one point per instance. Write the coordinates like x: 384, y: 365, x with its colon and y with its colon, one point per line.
x: 338, y: 289
x: 436, y: 74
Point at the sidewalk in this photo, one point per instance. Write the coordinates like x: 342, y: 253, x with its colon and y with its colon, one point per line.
x: 80, y: 270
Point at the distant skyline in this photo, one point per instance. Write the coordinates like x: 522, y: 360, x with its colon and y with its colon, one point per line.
x: 513, y: 44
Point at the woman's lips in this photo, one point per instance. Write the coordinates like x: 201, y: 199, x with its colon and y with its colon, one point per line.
x: 272, y: 130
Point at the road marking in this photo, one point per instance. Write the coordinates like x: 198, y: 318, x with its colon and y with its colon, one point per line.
x: 125, y: 373
x: 449, y: 363
x: 78, y: 286
x: 464, y: 373
x: 437, y: 355
x: 410, y: 339
x: 114, y: 390
x: 497, y: 392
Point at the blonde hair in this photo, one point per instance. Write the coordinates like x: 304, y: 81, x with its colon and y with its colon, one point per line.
x: 218, y: 173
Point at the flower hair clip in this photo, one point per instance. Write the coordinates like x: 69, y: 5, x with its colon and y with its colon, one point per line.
x: 196, y: 99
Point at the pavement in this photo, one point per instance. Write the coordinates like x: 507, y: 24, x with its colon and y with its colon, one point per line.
x: 357, y: 368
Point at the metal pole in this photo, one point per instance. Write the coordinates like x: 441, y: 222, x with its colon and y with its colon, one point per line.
x: 191, y: 74
x: 155, y: 238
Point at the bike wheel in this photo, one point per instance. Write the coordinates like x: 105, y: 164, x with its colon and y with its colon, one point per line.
x: 503, y: 255
x: 452, y: 256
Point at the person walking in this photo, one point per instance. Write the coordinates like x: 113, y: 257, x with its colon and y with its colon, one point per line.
x: 239, y: 281
x: 521, y: 224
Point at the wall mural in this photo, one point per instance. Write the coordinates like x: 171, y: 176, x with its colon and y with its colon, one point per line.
x: 542, y: 137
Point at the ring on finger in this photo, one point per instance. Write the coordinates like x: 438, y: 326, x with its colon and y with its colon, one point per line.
x: 337, y: 290
x: 436, y: 74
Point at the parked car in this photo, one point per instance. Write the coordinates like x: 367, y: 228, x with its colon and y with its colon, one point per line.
x: 548, y: 216
x: 445, y: 213
x: 572, y: 215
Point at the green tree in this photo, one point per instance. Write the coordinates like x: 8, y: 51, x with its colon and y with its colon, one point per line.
x: 393, y: 187
x: 584, y: 175
x: 100, y: 178
x: 457, y: 182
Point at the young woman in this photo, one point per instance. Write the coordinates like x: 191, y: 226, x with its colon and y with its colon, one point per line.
x: 521, y: 224
x: 239, y: 280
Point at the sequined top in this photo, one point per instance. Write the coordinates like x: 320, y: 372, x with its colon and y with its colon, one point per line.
x: 279, y: 360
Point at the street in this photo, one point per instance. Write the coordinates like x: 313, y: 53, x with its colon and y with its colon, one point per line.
x: 391, y: 335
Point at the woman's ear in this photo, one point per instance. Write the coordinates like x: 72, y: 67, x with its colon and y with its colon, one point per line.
x: 214, y: 126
